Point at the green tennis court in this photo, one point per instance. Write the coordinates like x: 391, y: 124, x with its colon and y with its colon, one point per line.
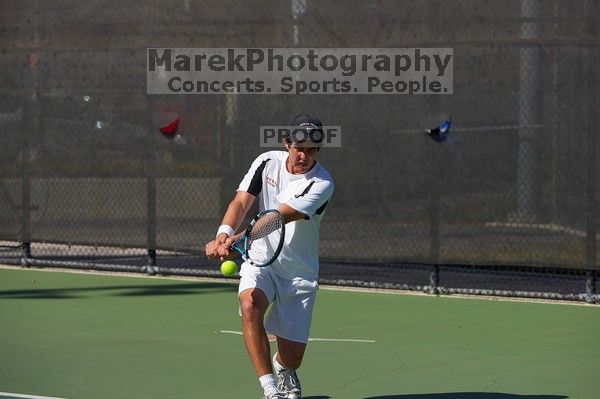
x: 92, y: 336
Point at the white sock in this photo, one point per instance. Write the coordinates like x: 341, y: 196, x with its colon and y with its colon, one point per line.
x: 267, y: 382
x: 276, y: 364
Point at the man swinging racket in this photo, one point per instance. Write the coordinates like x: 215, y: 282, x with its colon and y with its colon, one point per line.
x: 299, y: 188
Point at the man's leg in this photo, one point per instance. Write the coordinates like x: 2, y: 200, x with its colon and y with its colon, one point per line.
x: 253, y: 305
x: 287, y: 359
x: 290, y: 353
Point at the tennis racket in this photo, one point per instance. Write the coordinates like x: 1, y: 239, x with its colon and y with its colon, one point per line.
x: 262, y: 241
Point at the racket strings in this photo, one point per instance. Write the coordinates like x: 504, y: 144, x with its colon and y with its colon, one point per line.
x: 265, y: 225
x: 265, y: 237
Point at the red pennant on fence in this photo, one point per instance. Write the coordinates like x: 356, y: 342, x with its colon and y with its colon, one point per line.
x: 171, y: 129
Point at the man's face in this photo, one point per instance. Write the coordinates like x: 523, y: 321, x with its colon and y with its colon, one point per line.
x: 300, y: 158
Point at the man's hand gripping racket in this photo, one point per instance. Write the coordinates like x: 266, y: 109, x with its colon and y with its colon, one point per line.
x: 261, y: 242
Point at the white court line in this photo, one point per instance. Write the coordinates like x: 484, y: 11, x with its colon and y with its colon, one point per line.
x: 370, y: 341
x: 20, y: 395
x: 342, y: 340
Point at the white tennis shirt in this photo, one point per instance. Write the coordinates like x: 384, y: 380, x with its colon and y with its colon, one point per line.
x: 308, y: 193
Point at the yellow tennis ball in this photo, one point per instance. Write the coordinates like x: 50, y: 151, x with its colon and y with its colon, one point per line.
x: 228, y: 268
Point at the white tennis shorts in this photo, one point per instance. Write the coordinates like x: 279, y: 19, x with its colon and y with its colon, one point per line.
x: 292, y: 301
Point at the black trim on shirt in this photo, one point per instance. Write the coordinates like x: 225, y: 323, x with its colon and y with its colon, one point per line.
x: 306, y: 190
x: 256, y: 184
x: 321, y: 208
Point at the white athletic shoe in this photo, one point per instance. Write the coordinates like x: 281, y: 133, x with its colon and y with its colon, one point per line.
x: 275, y: 395
x: 287, y: 381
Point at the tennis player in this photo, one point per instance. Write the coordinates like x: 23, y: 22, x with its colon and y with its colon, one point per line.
x: 294, y: 183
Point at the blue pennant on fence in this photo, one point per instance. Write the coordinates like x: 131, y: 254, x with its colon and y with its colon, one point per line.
x: 440, y: 133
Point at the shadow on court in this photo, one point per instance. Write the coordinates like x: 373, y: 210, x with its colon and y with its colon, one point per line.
x: 119, y: 291
x: 467, y: 395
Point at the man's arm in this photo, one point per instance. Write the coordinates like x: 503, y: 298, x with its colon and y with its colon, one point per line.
x: 236, y: 211
x: 290, y: 214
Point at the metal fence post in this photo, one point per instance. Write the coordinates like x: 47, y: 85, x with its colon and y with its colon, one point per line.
x: 151, y: 264
x: 32, y: 122
x: 434, y: 237
x: 227, y: 123
x: 527, y: 113
x: 434, y: 219
x: 151, y: 194
x: 591, y: 192
x: 25, y: 253
x: 436, y: 159
x: 151, y: 218
x: 434, y: 280
x: 590, y: 287
x: 26, y: 195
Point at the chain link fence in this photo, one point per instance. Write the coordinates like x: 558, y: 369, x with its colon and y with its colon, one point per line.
x: 506, y: 206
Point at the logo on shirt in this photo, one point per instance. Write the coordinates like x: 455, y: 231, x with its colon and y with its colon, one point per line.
x: 271, y: 181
